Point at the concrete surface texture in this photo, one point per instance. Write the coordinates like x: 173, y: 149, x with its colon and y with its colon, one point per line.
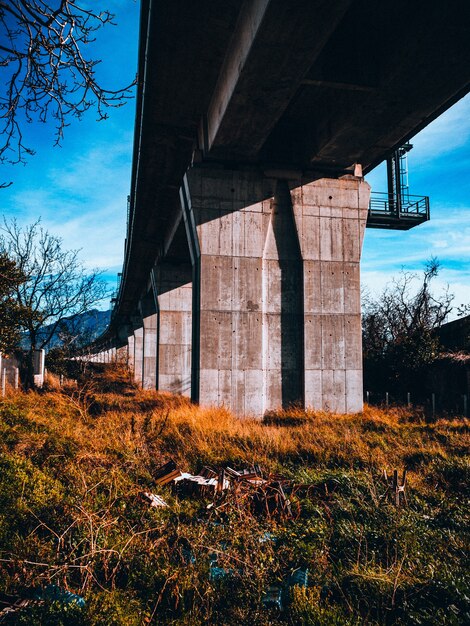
x: 138, y: 355
x: 122, y: 354
x: 149, y: 373
x: 279, y: 291
x: 175, y: 327
x: 39, y: 360
x: 130, y: 354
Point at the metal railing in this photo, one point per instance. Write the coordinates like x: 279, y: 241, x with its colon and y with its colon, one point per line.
x: 386, y: 210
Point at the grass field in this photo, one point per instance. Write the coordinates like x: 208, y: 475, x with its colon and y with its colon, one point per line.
x: 75, y: 461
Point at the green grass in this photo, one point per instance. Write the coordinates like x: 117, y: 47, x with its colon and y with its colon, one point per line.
x: 73, y: 464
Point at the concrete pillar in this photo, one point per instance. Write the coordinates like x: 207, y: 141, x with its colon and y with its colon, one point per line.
x: 130, y: 353
x: 138, y: 355
x: 174, y: 328
x: 149, y: 374
x: 121, y: 355
x: 282, y: 306
x: 39, y: 358
x: 276, y: 290
x: 230, y: 214
x: 331, y: 219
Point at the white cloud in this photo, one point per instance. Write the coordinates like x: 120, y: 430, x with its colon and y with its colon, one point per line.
x: 447, y: 133
x: 84, y: 203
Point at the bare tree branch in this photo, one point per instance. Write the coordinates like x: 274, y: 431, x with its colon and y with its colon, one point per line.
x: 45, y: 72
x: 57, y: 286
x: 399, y: 327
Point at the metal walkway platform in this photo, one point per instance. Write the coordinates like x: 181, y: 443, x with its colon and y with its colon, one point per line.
x: 388, y: 211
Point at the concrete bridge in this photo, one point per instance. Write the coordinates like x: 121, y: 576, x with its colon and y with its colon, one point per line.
x: 256, y: 121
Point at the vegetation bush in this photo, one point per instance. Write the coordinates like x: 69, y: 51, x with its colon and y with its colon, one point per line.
x: 75, y: 461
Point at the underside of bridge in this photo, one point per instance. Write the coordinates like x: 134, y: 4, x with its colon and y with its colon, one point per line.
x: 255, y: 123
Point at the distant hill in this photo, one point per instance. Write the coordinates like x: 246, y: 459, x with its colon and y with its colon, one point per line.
x: 88, y: 326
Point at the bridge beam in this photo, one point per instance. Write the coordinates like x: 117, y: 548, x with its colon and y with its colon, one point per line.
x: 278, y: 284
x: 249, y: 99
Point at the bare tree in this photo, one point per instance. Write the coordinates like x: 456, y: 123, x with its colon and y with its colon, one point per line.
x: 12, y: 315
x: 399, y: 329
x: 463, y: 310
x: 45, y: 71
x: 57, y: 285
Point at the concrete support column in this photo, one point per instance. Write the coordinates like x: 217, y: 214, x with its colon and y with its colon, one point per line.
x: 130, y: 353
x: 282, y: 304
x: 149, y: 374
x: 121, y: 355
x: 331, y: 218
x: 39, y: 359
x: 229, y: 214
x: 175, y: 326
x: 276, y: 290
x: 138, y: 355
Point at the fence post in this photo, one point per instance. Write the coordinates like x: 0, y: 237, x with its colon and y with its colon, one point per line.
x: 17, y: 378
x: 4, y: 382
x: 386, y: 399
x: 408, y: 399
x: 465, y: 404
x: 367, y: 397
x: 433, y: 403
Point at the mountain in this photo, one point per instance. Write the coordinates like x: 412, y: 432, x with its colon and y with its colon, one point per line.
x: 86, y: 327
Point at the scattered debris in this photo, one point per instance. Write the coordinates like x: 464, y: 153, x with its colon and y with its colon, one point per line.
x: 277, y: 596
x: 166, y: 473
x: 12, y: 604
x: 395, y: 489
x: 272, y: 598
x: 190, y: 485
x: 298, y: 577
x: 53, y: 593
x: 270, y: 498
x: 155, y: 501
x: 220, y: 573
x: 268, y: 537
x: 265, y: 494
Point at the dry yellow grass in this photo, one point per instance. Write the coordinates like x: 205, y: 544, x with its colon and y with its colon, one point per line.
x: 133, y: 424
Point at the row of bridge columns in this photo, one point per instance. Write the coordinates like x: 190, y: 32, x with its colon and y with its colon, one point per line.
x: 267, y: 313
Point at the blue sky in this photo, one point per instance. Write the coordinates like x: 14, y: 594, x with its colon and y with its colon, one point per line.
x: 439, y: 167
x: 80, y: 189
